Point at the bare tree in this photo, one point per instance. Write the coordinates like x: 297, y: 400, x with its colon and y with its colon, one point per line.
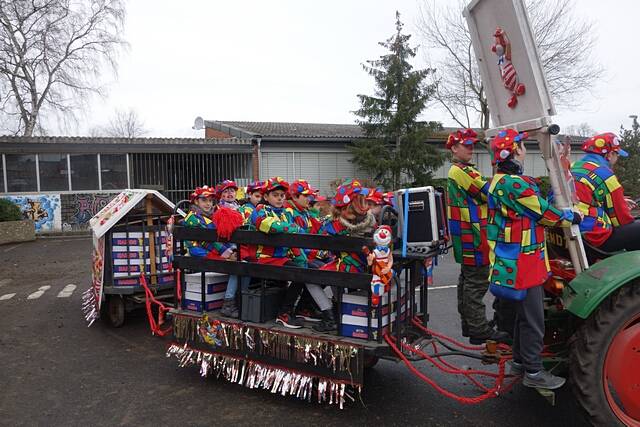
x: 565, y: 44
x: 583, y: 129
x: 124, y: 124
x: 52, y: 53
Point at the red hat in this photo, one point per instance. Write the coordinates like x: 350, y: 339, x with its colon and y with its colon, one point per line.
x: 255, y: 186
x: 604, y: 143
x: 387, y: 198
x: 301, y: 186
x: 376, y: 196
x: 275, y: 183
x: 202, y: 192
x: 462, y: 136
x: 505, y: 143
x: 227, y: 183
x: 347, y: 192
x: 318, y: 198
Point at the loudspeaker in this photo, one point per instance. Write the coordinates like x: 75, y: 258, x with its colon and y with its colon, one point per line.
x: 422, y: 221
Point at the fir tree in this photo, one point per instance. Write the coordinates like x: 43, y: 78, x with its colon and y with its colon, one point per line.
x: 395, y: 153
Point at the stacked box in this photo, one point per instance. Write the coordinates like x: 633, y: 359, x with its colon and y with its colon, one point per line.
x: 355, y: 309
x: 130, y: 257
x: 215, y: 287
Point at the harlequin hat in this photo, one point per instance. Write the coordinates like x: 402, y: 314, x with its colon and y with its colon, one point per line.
x: 604, y: 143
x: 462, y: 136
x: 227, y: 183
x: 505, y: 143
x: 318, y: 198
x: 347, y: 191
x: 275, y: 183
x: 202, y: 192
x: 255, y: 186
x: 387, y: 198
x: 376, y: 196
x: 300, y: 186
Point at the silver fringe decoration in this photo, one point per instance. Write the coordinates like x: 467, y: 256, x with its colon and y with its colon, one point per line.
x: 255, y: 375
x: 89, y: 306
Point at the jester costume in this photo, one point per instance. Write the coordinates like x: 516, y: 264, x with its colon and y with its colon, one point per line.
x: 600, y: 195
x: 212, y: 250
x: 467, y: 213
x: 269, y: 219
x: 515, y: 231
x: 519, y: 264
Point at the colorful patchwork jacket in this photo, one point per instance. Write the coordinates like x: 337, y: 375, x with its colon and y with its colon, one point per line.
x: 269, y: 219
x: 601, y: 198
x: 306, y: 221
x: 246, y: 210
x: 467, y: 213
x: 351, y: 262
x: 196, y: 218
x: 515, y: 231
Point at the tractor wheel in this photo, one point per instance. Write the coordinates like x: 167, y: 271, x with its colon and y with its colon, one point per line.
x: 605, y: 356
x: 115, y: 310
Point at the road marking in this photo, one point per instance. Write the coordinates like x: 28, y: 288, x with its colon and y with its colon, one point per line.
x: 11, y: 248
x: 4, y: 282
x: 433, y: 288
x: 37, y: 294
x: 67, y: 291
x: 6, y: 296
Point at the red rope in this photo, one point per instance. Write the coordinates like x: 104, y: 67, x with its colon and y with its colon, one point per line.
x: 148, y: 300
x: 492, y: 392
x: 417, y: 323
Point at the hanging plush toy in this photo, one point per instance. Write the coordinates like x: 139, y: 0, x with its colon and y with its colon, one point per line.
x: 502, y: 48
x: 381, y: 261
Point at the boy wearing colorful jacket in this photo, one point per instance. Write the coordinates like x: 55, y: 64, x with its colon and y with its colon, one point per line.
x: 467, y: 213
x: 254, y: 198
x: 272, y: 217
x: 519, y: 264
x: 608, y: 223
x: 199, y: 216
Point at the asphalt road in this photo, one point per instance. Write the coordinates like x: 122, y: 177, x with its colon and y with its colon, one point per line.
x: 56, y: 371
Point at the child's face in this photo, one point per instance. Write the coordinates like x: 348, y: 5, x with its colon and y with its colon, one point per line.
x: 275, y: 198
x: 301, y: 200
x: 228, y: 195
x: 255, y: 198
x: 205, y: 203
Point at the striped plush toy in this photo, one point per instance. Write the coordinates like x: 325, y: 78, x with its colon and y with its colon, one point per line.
x: 502, y: 48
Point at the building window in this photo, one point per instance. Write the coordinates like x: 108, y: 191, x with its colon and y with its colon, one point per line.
x: 54, y: 175
x: 84, y: 172
x: 21, y: 173
x: 114, y: 171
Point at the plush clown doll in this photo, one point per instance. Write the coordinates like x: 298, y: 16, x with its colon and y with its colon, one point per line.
x: 381, y: 262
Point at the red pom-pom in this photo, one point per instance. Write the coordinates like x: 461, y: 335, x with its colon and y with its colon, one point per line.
x: 226, y: 221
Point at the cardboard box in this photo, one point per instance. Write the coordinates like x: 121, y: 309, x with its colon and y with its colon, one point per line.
x: 209, y: 278
x: 138, y: 261
x: 135, y: 281
x: 356, y: 326
x: 134, y: 234
x: 197, y: 296
x: 356, y: 304
x: 197, y: 305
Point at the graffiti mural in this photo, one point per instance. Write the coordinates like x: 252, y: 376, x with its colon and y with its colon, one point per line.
x: 78, y: 209
x: 42, y: 209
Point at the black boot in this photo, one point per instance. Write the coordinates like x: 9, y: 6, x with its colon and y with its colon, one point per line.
x: 327, y: 324
x: 229, y: 308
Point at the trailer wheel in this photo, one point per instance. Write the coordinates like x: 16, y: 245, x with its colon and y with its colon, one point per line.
x: 604, y: 359
x: 370, y: 361
x: 115, y: 310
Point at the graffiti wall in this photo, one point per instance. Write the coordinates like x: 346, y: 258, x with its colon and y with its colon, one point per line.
x: 78, y: 209
x: 43, y: 209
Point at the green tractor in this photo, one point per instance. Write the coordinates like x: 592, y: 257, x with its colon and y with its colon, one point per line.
x: 593, y: 304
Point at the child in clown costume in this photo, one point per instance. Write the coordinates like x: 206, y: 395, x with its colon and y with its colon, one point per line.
x: 272, y: 217
x: 199, y: 216
x: 467, y: 213
x: 254, y: 198
x: 519, y: 264
x: 608, y: 223
x: 351, y: 217
x: 226, y: 193
x: 300, y: 196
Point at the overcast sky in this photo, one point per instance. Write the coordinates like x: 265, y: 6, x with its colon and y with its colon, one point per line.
x: 300, y: 61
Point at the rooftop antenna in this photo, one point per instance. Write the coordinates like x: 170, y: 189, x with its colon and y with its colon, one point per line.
x: 198, y: 123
